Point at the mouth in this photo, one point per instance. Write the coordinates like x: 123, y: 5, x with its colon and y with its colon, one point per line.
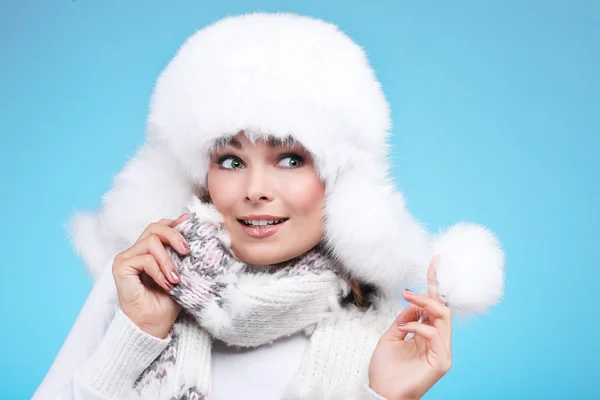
x: 259, y: 223
x: 261, y: 226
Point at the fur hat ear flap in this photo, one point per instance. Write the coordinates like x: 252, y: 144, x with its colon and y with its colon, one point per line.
x: 370, y: 231
x: 150, y: 187
x: 470, y: 271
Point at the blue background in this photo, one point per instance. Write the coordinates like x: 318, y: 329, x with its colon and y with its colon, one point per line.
x: 496, y: 109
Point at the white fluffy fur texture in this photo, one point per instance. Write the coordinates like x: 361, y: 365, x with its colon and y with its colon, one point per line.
x: 471, y: 268
x: 279, y: 75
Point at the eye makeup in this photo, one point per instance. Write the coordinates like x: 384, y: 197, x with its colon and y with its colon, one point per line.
x: 294, y: 156
x: 280, y: 151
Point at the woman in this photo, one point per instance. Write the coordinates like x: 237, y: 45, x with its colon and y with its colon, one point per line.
x: 271, y: 131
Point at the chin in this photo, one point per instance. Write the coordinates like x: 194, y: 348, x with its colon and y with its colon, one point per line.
x: 264, y: 253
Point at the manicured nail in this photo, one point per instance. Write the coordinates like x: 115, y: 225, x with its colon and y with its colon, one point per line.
x: 174, y: 276
x: 185, y: 246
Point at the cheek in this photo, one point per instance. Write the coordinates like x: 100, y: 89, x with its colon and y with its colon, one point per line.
x: 222, y: 190
x: 304, y: 194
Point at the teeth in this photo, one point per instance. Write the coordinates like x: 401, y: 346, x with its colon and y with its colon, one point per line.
x: 262, y: 222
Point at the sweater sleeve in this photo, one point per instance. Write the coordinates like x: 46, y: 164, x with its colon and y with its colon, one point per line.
x: 84, y: 337
x: 99, y: 323
x: 113, y: 368
x: 120, y: 359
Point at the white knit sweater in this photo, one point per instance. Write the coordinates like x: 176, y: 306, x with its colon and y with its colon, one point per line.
x: 104, y: 345
x: 126, y: 351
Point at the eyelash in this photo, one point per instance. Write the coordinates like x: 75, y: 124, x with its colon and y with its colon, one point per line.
x: 220, y: 158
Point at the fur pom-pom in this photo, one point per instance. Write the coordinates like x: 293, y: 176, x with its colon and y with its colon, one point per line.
x: 470, y: 271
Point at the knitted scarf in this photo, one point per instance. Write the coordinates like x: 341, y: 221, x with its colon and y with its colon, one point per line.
x: 243, y: 305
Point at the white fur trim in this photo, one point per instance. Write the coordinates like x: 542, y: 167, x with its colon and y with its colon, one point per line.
x: 371, y: 232
x: 471, y: 268
x: 150, y: 187
x: 93, y: 242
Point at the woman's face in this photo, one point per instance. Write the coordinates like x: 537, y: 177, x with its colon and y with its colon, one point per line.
x: 270, y: 196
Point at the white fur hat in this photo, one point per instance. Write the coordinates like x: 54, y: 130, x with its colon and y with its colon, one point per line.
x: 286, y: 75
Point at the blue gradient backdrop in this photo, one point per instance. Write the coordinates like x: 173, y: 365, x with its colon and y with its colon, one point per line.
x: 496, y: 109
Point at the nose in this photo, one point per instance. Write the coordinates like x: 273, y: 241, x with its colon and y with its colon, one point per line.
x: 258, y: 186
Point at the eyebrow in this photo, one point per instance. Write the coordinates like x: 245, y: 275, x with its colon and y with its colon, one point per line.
x: 276, y: 142
x: 271, y: 142
x: 233, y: 143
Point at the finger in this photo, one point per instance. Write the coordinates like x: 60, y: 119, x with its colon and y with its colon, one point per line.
x: 430, y: 334
x: 410, y: 313
x: 163, y: 222
x: 149, y: 229
x: 179, y: 220
x: 166, y: 234
x: 432, y: 283
x: 436, y: 313
x: 434, y: 308
x: 153, y: 245
x: 144, y: 263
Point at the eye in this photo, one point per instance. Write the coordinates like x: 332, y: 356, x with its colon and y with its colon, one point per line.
x: 230, y: 162
x: 291, y: 161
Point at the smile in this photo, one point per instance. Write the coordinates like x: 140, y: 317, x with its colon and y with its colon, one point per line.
x: 262, y: 222
x: 263, y: 226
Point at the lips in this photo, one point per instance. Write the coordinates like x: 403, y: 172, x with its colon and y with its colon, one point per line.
x: 262, y: 231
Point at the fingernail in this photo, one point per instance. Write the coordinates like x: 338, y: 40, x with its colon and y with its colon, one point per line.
x: 184, y: 215
x: 169, y: 285
x: 401, y: 323
x: 174, y: 276
x: 407, y: 290
x: 185, y: 246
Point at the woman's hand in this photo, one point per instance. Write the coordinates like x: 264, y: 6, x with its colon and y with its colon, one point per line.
x: 144, y: 273
x: 406, y: 369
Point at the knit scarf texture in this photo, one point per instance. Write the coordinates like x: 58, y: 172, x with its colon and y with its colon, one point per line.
x: 249, y: 306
